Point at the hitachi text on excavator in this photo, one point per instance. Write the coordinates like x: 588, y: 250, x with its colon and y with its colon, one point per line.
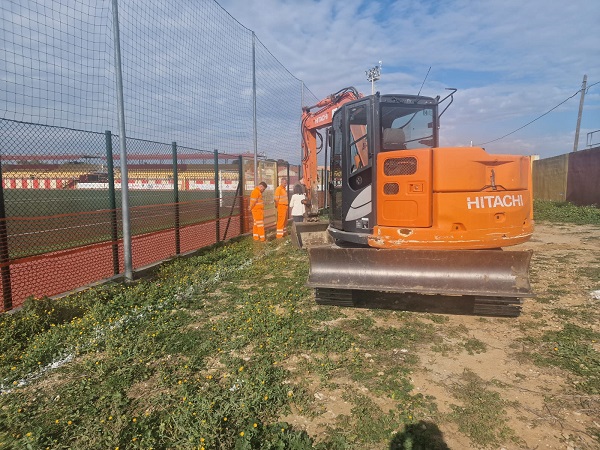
x: 408, y: 216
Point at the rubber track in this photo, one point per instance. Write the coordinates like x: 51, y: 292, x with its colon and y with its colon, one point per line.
x: 482, y: 306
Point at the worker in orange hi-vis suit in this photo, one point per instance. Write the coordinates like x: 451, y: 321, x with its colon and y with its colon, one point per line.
x: 281, y: 203
x: 257, y: 208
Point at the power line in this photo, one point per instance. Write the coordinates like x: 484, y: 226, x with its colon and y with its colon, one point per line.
x: 537, y: 118
x: 588, y: 88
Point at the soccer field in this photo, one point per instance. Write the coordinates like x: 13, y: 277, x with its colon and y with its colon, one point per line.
x: 50, y: 202
x: 41, y: 221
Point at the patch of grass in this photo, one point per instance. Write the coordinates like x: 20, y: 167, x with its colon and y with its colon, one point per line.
x: 591, y: 272
x: 481, y: 415
x: 473, y: 345
x: 564, y: 212
x: 209, y: 354
x: 565, y: 313
x: 546, y: 298
x: 367, y: 423
x: 444, y: 348
x: 220, y: 349
x: 571, y: 349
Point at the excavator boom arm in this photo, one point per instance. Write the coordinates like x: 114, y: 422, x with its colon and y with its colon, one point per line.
x: 311, y: 123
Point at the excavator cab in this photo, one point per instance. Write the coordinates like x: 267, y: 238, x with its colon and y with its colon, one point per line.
x: 362, y: 130
x: 407, y: 216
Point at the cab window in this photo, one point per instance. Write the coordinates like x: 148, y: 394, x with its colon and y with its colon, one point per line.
x: 359, y: 154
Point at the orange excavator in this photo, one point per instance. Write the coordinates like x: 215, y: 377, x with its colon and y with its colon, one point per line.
x: 407, y: 216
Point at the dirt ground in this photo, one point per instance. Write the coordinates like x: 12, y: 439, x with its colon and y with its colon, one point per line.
x: 546, y: 411
x: 543, y: 407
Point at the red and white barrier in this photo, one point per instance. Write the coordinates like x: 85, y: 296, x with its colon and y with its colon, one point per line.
x: 37, y: 183
x: 134, y: 184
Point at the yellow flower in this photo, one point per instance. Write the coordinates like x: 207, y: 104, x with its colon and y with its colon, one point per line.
x: 134, y: 420
x: 255, y: 425
x: 224, y: 419
x: 241, y: 369
x: 242, y: 433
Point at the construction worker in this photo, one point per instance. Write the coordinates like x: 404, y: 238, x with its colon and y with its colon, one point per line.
x: 281, y: 204
x: 257, y: 208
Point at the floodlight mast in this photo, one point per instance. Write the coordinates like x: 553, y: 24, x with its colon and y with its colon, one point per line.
x: 374, y: 75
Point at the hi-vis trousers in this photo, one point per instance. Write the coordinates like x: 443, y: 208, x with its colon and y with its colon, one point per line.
x: 282, y: 216
x: 258, y: 229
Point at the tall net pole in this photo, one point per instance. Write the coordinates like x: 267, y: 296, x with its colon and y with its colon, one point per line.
x: 127, y: 260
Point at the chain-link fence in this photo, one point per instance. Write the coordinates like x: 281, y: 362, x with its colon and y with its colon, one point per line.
x: 203, y: 101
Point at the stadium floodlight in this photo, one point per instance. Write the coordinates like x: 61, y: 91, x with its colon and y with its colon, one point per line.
x: 373, y: 75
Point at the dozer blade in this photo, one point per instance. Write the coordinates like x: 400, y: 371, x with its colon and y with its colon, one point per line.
x: 492, y: 276
x: 309, y: 234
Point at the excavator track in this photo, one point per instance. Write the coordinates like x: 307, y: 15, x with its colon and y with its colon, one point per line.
x: 479, y: 306
x: 507, y: 307
x: 334, y: 297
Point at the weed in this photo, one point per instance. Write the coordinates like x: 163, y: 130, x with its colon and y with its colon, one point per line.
x: 571, y: 349
x: 218, y: 348
x: 198, y: 357
x: 482, y: 416
x: 564, y: 212
x: 473, y: 345
x: 592, y: 272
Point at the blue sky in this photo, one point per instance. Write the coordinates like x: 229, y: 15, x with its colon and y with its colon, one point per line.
x: 511, y: 61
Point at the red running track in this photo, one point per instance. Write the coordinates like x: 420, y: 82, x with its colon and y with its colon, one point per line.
x: 62, y: 271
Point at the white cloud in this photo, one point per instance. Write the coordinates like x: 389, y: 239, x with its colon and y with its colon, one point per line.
x: 512, y: 60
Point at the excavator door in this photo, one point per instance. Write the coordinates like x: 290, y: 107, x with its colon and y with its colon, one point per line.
x: 351, y: 187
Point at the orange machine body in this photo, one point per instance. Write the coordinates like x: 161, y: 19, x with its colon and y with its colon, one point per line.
x: 392, y: 185
x: 408, y: 217
x: 461, y: 198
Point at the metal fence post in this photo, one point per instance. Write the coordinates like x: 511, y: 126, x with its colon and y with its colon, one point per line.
x: 242, y: 204
x: 4, y: 253
x: 176, y: 199
x: 127, y: 256
x: 114, y: 230
x: 254, y: 113
x: 217, y: 197
x: 288, y: 179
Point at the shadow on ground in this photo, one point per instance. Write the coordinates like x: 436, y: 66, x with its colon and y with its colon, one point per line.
x: 419, y: 436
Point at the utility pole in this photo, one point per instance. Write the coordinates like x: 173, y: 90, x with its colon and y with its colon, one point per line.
x: 373, y: 75
x: 583, y: 86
